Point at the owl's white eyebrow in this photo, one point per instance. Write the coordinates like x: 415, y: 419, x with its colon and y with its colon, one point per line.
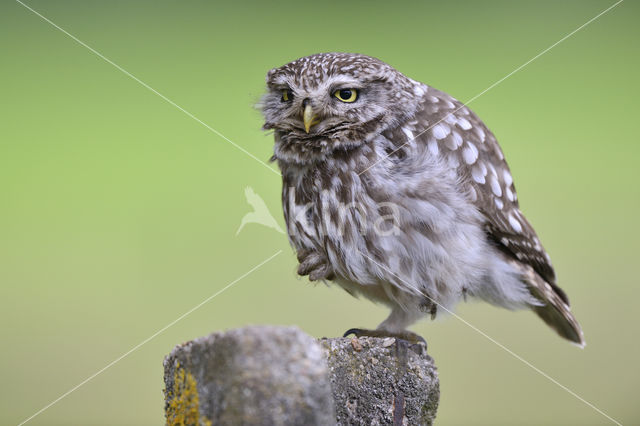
x: 343, y: 81
x: 278, y: 81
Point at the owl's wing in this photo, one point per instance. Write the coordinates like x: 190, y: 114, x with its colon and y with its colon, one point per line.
x: 458, y: 136
x: 464, y: 141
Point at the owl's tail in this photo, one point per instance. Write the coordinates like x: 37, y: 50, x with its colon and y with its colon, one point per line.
x: 555, y: 311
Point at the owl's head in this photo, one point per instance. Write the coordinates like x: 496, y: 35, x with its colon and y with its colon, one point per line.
x: 334, y: 101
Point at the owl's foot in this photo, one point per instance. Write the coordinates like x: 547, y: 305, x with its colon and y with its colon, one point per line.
x: 407, y: 336
x: 314, y: 265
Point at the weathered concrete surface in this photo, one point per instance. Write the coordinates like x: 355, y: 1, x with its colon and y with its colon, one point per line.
x: 250, y: 376
x: 267, y: 375
x: 381, y: 381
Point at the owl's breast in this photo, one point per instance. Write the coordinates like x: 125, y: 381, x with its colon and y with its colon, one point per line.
x: 322, y: 205
x: 389, y: 222
x: 334, y: 209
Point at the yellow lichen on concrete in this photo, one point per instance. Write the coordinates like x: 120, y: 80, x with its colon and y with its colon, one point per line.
x: 183, y: 401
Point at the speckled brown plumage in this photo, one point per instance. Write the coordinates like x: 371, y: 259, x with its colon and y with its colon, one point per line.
x: 403, y: 195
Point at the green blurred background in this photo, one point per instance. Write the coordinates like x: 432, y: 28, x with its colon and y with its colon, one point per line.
x: 118, y: 212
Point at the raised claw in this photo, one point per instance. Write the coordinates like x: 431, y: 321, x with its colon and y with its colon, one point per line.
x: 314, y: 265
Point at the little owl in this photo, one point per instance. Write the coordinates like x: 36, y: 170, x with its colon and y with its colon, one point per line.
x: 398, y: 192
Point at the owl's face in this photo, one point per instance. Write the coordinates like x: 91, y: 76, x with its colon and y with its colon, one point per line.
x: 334, y: 101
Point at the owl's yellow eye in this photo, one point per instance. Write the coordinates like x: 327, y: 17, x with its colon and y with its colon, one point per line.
x: 346, y: 95
x: 287, y: 95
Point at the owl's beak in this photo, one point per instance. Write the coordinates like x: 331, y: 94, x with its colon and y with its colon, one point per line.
x: 309, y: 117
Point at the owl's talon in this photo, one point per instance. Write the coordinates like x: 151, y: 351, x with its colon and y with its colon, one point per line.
x: 314, y: 265
x: 355, y: 331
x: 308, y: 264
x: 324, y: 272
